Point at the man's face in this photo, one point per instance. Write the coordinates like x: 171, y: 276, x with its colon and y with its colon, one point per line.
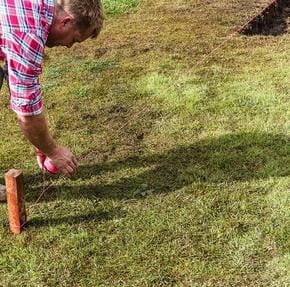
x: 64, y: 33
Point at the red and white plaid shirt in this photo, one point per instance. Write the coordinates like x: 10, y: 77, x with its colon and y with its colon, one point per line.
x: 24, y: 27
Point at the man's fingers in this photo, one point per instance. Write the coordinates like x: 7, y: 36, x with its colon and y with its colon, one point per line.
x: 72, y: 168
x: 75, y: 162
x: 67, y: 171
x: 40, y: 159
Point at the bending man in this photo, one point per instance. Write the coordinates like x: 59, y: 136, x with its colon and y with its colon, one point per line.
x: 26, y: 27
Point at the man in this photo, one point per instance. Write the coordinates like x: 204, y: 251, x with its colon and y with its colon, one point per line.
x: 26, y: 27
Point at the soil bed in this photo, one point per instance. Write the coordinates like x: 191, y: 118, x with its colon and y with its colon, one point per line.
x: 273, y: 20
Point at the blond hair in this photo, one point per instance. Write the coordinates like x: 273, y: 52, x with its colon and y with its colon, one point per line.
x: 87, y: 13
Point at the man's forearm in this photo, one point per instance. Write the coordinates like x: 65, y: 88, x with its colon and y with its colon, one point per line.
x: 36, y: 131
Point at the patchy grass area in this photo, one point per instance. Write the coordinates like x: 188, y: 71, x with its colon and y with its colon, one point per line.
x: 184, y: 167
x: 118, y: 7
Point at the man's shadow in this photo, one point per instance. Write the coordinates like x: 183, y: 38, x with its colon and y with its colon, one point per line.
x: 226, y: 159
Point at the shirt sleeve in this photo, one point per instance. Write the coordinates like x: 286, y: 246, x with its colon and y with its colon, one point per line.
x: 24, y: 55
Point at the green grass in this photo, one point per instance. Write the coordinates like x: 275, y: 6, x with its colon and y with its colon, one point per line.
x: 184, y: 168
x: 118, y: 7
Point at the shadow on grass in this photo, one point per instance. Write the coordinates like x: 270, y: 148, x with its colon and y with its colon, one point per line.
x: 100, y: 216
x: 226, y: 159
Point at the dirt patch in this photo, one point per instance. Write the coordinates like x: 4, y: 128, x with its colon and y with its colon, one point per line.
x: 99, y: 52
x: 273, y: 20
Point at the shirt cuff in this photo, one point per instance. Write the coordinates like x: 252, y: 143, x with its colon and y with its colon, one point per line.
x: 22, y: 108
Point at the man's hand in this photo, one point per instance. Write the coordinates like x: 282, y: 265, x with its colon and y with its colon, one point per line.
x: 68, y: 163
x: 36, y: 131
x: 63, y: 160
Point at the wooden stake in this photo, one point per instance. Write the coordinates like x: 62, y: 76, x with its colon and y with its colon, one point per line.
x: 15, y: 200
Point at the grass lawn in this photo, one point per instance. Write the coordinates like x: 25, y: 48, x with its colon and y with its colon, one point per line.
x: 184, y: 166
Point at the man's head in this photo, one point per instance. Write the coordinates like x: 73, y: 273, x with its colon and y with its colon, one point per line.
x: 75, y: 21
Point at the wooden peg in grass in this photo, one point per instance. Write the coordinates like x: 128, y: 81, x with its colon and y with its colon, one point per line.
x: 15, y: 200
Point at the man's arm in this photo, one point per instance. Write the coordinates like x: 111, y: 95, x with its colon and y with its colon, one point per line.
x: 24, y: 55
x: 36, y: 131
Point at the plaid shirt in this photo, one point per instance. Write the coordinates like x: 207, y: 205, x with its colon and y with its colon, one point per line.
x: 24, y: 27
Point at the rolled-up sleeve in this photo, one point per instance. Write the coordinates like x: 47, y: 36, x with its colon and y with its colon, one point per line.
x: 24, y: 55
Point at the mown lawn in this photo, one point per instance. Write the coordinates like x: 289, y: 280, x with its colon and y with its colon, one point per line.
x: 184, y: 162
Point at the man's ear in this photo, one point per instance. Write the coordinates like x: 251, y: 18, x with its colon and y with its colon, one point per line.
x: 66, y: 21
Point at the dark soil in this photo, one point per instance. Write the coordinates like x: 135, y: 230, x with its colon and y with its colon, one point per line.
x: 273, y: 20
